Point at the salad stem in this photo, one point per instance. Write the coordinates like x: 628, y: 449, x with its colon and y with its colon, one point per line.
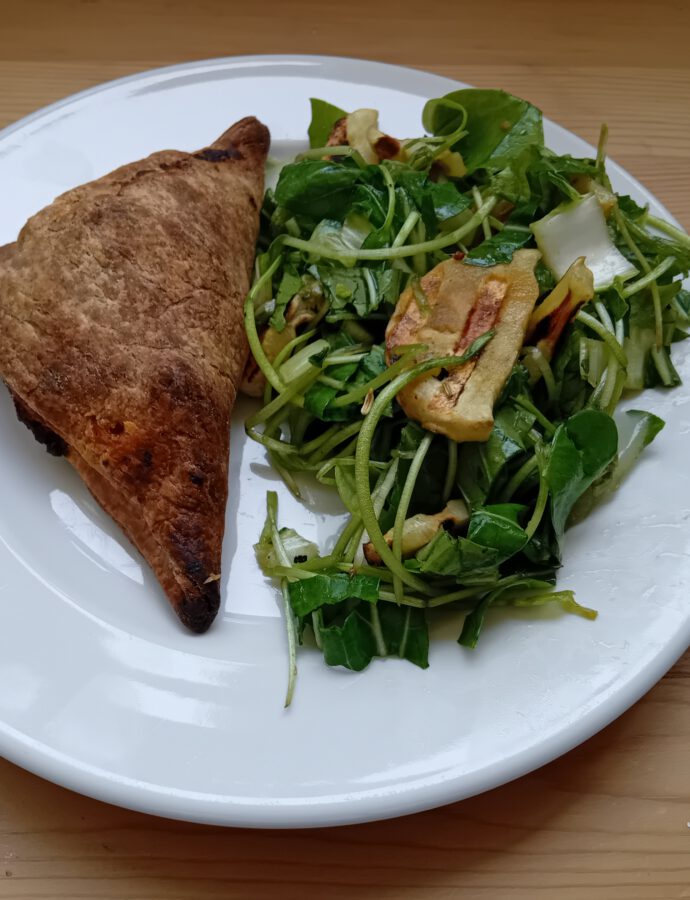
x: 451, y: 470
x: 378, y: 497
x: 662, y: 225
x: 340, y: 150
x: 272, y: 510
x: 528, y: 468
x: 535, y: 355
x: 390, y: 187
x: 384, y: 253
x: 477, y: 197
x: 403, y: 506
x: 539, y: 507
x: 454, y: 596
x: 255, y: 346
x: 360, y: 392
x: 362, y: 455
x: 545, y: 423
x: 406, y: 229
x: 606, y: 336
x: 321, y: 446
x: 644, y: 265
x: 650, y: 277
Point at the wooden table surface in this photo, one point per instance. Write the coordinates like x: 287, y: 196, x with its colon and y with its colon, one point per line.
x: 612, y: 818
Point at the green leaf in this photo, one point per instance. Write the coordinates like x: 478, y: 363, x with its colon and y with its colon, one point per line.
x: 448, y: 555
x: 289, y: 285
x: 491, y: 527
x: 544, y: 277
x: 309, y: 594
x: 317, y: 189
x: 581, y: 449
x: 499, y: 248
x: 446, y: 200
x: 345, y: 289
x: 499, y: 125
x: 323, y: 118
x: 436, y: 201
x: 630, y: 208
x: 358, y: 291
x: 637, y: 429
x: 655, y: 248
x: 427, y: 496
x: 480, y: 465
x: 318, y: 398
x: 513, y: 182
x: 352, y: 644
x: 515, y: 586
x: 405, y: 633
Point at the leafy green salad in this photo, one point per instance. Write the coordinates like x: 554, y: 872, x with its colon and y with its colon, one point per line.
x: 442, y: 328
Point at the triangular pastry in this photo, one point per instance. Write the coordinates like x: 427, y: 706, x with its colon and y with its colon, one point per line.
x: 122, y: 342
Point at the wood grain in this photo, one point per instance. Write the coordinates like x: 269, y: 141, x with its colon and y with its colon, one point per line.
x: 609, y: 820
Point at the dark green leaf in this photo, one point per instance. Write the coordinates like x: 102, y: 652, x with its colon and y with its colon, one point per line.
x: 474, y: 621
x: 513, y: 182
x: 357, y: 292
x: 481, y: 464
x: 683, y: 298
x: 405, y: 632
x: 499, y: 248
x: 448, y: 555
x: 630, y: 208
x: 352, y: 644
x: 446, y: 200
x: 543, y: 549
x: 318, y: 398
x: 290, y: 283
x: 323, y: 118
x: 317, y: 189
x: 636, y: 431
x: 499, y: 125
x: 309, y: 594
x: 345, y: 288
x: 581, y: 449
x: 490, y: 527
x: 544, y: 277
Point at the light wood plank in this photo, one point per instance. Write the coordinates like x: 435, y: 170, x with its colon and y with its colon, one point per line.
x: 403, y: 31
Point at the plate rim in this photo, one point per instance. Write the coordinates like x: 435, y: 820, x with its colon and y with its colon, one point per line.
x: 100, y: 784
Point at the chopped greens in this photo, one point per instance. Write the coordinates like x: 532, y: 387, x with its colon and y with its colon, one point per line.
x: 432, y: 522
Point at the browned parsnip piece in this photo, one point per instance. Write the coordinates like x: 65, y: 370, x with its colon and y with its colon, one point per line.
x: 461, y: 303
x: 548, y: 320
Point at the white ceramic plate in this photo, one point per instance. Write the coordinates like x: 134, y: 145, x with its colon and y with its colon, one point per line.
x: 102, y: 691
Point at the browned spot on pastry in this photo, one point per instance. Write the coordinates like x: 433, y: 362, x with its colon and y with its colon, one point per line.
x: 211, y: 154
x: 53, y: 443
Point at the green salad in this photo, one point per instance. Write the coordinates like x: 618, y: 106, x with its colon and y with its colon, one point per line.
x: 442, y: 328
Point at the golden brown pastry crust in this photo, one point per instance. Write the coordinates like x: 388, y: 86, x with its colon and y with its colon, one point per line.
x: 121, y: 333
